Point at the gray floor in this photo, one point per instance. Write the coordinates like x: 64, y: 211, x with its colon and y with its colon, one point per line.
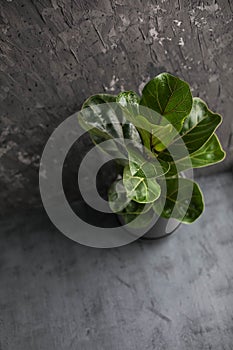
x: 172, y: 294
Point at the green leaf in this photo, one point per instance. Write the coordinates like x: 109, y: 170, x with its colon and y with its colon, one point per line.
x: 169, y: 96
x: 182, y: 208
x: 152, y: 135
x: 127, y: 98
x: 143, y: 126
x: 141, y: 215
x: 98, y: 99
x: 109, y: 122
x: 210, y: 153
x: 162, y: 137
x: 129, y: 101
x: 144, y: 165
x: 117, y: 196
x: 128, y: 209
x: 198, y: 127
x: 103, y: 126
x: 135, y: 208
x: 139, y: 188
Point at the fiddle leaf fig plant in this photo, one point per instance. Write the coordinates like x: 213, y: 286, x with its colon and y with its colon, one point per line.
x: 155, y: 139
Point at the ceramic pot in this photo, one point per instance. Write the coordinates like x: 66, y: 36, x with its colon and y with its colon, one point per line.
x: 161, y: 229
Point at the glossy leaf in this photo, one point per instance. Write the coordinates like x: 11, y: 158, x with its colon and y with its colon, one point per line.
x: 153, y: 136
x: 144, y: 165
x: 139, y: 188
x: 198, y: 127
x: 167, y: 132
x: 98, y: 99
x: 104, y: 123
x: 169, y: 96
x: 210, y: 153
x: 186, y: 209
x: 128, y: 98
x: 117, y: 196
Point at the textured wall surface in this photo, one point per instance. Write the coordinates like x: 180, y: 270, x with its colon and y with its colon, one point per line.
x: 54, y: 54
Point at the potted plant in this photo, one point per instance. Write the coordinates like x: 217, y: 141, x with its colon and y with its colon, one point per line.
x: 163, y: 133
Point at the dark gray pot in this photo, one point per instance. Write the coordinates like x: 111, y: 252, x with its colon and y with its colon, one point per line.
x: 161, y: 229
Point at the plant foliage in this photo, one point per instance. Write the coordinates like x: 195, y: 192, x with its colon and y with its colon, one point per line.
x: 176, y: 133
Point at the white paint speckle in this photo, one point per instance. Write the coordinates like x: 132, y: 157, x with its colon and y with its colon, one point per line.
x: 141, y: 86
x: 209, y: 8
x: 39, y: 105
x: 8, y: 147
x: 27, y: 160
x: 161, y: 41
x: 153, y: 33
x: 112, y: 84
x: 213, y: 78
x: 144, y: 81
x: 125, y: 20
x: 178, y: 23
x: 112, y: 33
x: 23, y: 158
x: 155, y: 9
x: 54, y: 4
x: 181, y: 42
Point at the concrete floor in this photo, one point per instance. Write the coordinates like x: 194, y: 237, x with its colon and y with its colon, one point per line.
x: 176, y: 293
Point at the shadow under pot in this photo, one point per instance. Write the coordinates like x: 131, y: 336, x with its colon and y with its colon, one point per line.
x: 161, y: 228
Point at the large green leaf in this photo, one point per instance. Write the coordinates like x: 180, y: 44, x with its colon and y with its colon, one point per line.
x: 182, y: 208
x: 121, y: 204
x: 104, y: 123
x: 210, y: 153
x: 153, y: 136
x: 145, y: 165
x: 129, y: 101
x: 140, y: 188
x: 169, y: 96
x: 101, y: 126
x: 198, y: 127
x: 117, y: 196
x: 161, y: 137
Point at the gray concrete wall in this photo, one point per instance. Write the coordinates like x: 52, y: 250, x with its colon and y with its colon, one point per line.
x: 54, y: 54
